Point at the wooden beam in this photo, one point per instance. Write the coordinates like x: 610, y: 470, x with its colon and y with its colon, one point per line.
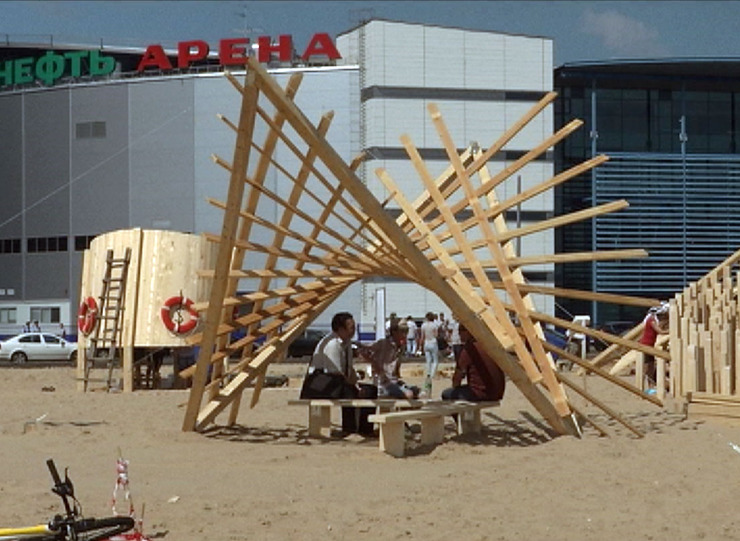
x: 494, y: 245
x: 225, y: 250
x: 606, y: 409
x: 576, y: 257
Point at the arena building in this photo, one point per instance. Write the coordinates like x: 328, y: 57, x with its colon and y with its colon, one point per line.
x: 97, y: 138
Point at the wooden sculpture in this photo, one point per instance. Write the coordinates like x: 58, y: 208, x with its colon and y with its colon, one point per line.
x: 705, y: 339
x: 314, y: 256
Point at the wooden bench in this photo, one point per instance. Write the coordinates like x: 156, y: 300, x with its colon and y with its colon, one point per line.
x: 431, y: 416
x: 319, y: 409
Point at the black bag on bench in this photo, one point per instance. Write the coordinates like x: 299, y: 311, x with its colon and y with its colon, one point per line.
x: 320, y: 384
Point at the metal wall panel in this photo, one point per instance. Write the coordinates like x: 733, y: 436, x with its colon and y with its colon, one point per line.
x: 682, y: 211
x: 47, y: 276
x: 444, y: 57
x: 99, y: 165
x: 161, y: 154
x: 46, y: 162
x: 484, y: 60
x: 11, y: 168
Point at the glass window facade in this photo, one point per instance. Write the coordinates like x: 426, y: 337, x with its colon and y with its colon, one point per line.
x: 670, y: 131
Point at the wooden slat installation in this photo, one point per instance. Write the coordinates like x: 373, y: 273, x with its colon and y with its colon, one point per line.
x: 705, y: 337
x: 277, y: 271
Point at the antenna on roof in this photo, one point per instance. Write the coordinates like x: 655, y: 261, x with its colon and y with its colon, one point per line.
x: 247, y: 30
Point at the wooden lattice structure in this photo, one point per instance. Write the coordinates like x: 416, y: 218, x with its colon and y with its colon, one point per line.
x: 332, y: 232
x: 705, y: 341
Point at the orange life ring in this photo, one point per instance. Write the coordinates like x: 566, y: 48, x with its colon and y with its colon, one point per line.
x: 172, y: 315
x: 87, y: 315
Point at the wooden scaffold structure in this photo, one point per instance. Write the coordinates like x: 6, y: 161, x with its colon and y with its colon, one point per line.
x: 331, y: 232
x: 705, y: 339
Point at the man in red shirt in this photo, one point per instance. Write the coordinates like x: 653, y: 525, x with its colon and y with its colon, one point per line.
x: 484, y: 379
x: 654, y: 325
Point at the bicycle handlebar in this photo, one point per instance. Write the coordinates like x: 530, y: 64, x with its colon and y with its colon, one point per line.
x: 62, y: 489
x: 54, y: 473
x: 96, y: 529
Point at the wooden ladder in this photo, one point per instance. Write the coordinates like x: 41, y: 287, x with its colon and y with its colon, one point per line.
x: 105, y: 342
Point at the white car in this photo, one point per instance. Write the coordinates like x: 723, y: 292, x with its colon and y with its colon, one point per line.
x: 37, y: 346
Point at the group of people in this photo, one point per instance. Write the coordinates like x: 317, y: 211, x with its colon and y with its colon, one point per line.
x: 331, y: 372
x: 31, y: 327
x: 35, y: 327
x: 477, y: 377
x: 436, y: 337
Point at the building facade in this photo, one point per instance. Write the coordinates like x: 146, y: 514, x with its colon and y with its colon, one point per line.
x: 107, y: 147
x: 670, y: 129
x: 482, y: 83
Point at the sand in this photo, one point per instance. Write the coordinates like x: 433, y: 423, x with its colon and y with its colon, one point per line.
x: 264, y: 479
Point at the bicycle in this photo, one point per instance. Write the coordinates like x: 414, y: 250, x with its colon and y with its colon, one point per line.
x: 72, y: 526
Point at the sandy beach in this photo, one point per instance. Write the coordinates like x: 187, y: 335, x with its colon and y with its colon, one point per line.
x: 264, y: 479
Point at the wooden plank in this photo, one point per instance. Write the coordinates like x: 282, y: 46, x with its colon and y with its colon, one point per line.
x: 461, y: 282
x: 600, y: 334
x: 424, y: 205
x: 225, y: 251
x: 698, y: 396
x: 494, y: 244
x: 588, y: 367
x: 582, y: 415
x: 606, y: 409
x: 565, y: 219
x: 499, y: 209
x: 574, y: 257
x: 499, y: 224
x: 503, y: 325
x: 581, y: 294
x: 697, y: 408
x: 510, y: 170
x: 437, y: 409
x: 676, y: 348
x: 615, y: 350
x: 432, y: 430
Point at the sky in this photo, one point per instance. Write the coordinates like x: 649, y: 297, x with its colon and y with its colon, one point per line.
x: 581, y: 31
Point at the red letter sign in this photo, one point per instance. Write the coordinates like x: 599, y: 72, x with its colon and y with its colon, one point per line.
x: 154, y: 57
x: 284, y: 48
x: 230, y: 54
x: 321, y: 44
x: 184, y: 54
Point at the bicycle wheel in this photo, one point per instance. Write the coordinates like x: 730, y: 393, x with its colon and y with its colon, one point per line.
x: 97, y: 529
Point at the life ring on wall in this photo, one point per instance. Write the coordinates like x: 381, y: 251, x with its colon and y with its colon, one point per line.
x: 87, y: 316
x: 173, y: 315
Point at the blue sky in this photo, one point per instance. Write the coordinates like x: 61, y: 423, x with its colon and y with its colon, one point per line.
x: 580, y: 30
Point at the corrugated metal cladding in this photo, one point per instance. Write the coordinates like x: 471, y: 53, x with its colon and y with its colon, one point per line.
x: 82, y: 159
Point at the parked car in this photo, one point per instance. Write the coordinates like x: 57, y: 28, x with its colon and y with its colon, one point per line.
x: 306, y: 343
x: 37, y: 346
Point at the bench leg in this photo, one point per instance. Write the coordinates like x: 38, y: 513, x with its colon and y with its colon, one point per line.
x: 392, y: 439
x: 468, y: 422
x: 319, y: 418
x: 432, y: 430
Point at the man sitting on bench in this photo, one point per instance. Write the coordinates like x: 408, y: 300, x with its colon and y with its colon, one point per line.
x: 331, y: 374
x: 485, y: 381
x: 384, y: 356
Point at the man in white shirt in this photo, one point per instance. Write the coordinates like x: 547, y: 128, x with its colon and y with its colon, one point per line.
x: 331, y: 373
